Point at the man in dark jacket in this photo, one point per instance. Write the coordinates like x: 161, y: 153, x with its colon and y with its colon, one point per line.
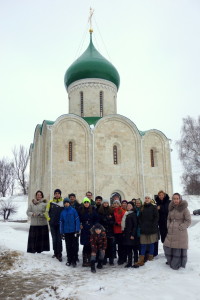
x: 73, y: 202
x: 52, y: 214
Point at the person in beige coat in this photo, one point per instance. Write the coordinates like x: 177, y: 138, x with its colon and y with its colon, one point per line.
x: 176, y: 241
x: 38, y: 238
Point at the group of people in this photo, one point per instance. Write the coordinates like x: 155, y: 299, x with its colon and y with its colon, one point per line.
x: 128, y: 231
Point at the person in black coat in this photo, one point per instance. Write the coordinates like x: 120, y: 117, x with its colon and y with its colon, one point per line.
x: 148, y: 223
x: 162, y: 201
x: 107, y: 220
x: 88, y: 218
x: 129, y: 229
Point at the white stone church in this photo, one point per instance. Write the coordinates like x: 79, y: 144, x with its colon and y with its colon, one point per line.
x: 92, y: 148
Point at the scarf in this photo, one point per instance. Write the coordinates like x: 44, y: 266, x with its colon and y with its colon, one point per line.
x: 124, y: 219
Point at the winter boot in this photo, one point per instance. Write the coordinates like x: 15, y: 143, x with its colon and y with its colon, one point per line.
x: 105, y: 261
x: 85, y: 264
x: 140, y: 261
x: 93, y: 269
x: 99, y: 265
x: 129, y: 264
x: 88, y: 260
x: 150, y: 257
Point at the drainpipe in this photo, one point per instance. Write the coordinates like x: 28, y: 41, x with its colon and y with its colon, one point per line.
x: 51, y: 164
x: 93, y: 161
x: 142, y: 156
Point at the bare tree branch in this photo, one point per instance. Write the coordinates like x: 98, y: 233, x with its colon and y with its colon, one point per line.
x: 21, y: 158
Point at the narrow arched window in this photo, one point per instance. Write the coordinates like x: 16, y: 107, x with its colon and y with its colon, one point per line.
x: 81, y: 100
x: 101, y: 104
x: 70, y: 151
x: 152, y: 158
x: 115, y: 158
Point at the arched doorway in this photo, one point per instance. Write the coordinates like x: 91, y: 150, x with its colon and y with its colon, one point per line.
x: 117, y: 195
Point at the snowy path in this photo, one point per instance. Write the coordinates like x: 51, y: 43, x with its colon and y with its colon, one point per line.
x: 53, y: 280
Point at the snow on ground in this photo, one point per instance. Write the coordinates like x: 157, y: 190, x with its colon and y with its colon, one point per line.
x: 38, y: 276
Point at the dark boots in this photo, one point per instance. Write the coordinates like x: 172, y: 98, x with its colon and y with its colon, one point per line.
x: 85, y: 264
x: 93, y: 269
x: 99, y: 265
x: 129, y: 264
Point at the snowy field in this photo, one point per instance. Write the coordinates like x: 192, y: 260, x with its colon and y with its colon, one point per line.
x: 38, y: 276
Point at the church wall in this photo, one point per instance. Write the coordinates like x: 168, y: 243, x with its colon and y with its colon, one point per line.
x: 91, y: 97
x: 35, y: 165
x: 124, y: 176
x: 71, y: 176
x: 156, y: 164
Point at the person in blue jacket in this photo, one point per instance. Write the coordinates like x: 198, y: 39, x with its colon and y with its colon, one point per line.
x: 69, y: 228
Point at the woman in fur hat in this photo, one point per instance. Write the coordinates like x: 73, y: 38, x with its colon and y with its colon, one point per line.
x: 176, y: 241
x: 38, y: 238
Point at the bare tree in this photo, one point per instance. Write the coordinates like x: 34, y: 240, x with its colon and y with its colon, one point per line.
x: 7, y: 176
x: 7, y: 208
x: 21, y: 157
x: 189, y: 154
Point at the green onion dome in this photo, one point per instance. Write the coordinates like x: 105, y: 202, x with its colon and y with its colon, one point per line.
x: 91, y: 64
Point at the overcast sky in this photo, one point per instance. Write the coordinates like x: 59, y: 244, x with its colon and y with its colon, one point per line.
x: 155, y: 46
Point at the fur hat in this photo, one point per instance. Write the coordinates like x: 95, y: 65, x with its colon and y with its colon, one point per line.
x: 57, y: 191
x: 105, y: 201
x: 116, y: 201
x: 98, y: 226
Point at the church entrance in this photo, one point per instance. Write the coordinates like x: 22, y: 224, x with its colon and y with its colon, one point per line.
x: 115, y: 196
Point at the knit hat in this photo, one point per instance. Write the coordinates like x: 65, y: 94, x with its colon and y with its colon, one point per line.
x: 130, y: 202
x: 86, y: 200
x: 105, y: 201
x: 117, y: 201
x: 97, y: 226
x: 57, y: 191
x: 66, y: 200
x: 148, y: 195
x: 125, y: 201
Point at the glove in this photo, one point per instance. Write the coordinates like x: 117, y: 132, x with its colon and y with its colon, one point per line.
x: 62, y: 236
x: 77, y: 234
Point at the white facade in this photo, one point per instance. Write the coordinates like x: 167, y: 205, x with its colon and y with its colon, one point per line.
x: 110, y: 156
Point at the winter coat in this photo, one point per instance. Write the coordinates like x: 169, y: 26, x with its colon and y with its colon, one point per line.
x: 163, y: 213
x: 36, y: 211
x: 179, y: 219
x: 107, y: 220
x: 98, y: 241
x: 75, y: 205
x: 53, y: 211
x: 148, y: 219
x: 130, y: 229
x: 69, y: 220
x: 87, y: 221
x: 118, y: 215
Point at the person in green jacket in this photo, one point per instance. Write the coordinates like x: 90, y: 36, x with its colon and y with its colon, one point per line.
x: 52, y: 214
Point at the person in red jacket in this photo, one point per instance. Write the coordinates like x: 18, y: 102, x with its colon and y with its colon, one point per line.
x: 118, y: 215
x: 98, y: 242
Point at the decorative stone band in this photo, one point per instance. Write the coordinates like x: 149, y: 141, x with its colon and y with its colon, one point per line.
x: 92, y: 83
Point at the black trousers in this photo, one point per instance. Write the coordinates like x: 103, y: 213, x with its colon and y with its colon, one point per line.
x: 120, y: 247
x: 57, y: 241
x: 71, y: 247
x: 111, y: 249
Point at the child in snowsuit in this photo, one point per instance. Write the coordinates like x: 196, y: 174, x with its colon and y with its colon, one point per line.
x: 98, y: 242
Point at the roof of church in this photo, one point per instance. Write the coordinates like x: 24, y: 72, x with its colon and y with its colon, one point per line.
x: 91, y: 64
x: 91, y: 120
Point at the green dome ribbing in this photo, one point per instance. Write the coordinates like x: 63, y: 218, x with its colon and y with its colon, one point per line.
x: 91, y: 64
